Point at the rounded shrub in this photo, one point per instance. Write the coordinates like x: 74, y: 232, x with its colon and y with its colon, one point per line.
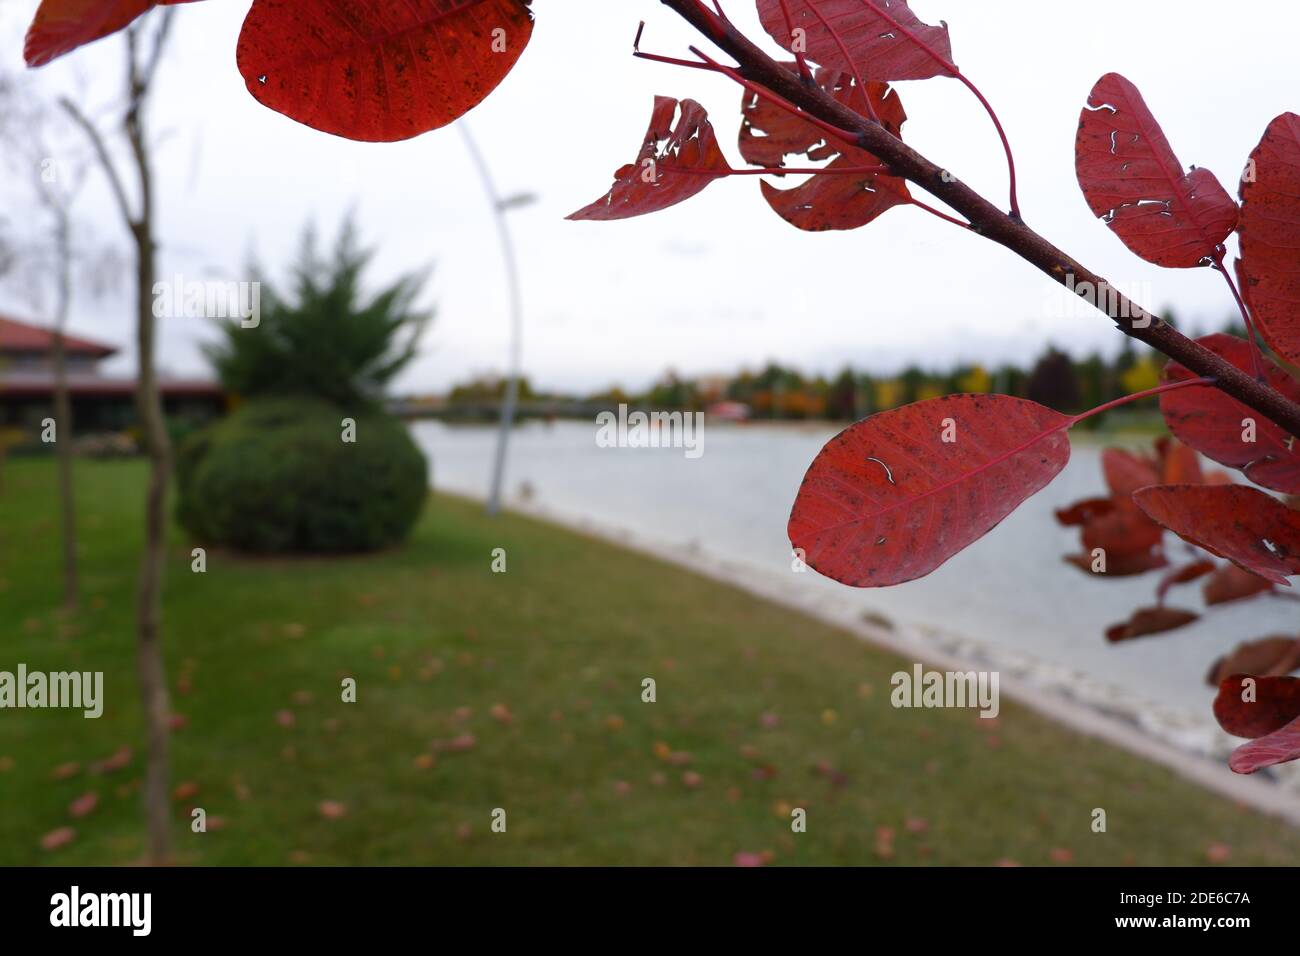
x: 278, y: 477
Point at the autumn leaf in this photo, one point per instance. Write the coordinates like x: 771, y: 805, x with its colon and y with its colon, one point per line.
x: 332, y: 809
x: 60, y: 26
x: 1081, y: 512
x: 1270, y: 236
x: 379, y: 72
x: 1149, y: 620
x: 1132, y: 179
x: 1248, y: 527
x: 1126, y: 472
x: 1227, y: 431
x: 893, y: 497
x: 680, y: 137
x: 1120, y: 565
x: 84, y: 805
x: 1267, y: 656
x: 1180, y: 465
x: 1280, y: 746
x: 59, y: 838
x: 1122, y: 531
x: 1231, y: 583
x: 1184, y: 574
x: 1253, y: 706
x: 852, y: 191
x: 879, y: 39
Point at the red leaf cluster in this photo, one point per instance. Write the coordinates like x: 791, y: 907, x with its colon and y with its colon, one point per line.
x: 842, y: 198
x: 1266, y: 709
x: 1225, y: 430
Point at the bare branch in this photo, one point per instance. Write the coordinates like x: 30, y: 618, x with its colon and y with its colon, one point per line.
x: 105, y: 159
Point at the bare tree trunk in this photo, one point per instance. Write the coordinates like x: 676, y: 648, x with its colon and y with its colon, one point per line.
x: 150, y: 666
x: 152, y: 670
x: 63, y: 415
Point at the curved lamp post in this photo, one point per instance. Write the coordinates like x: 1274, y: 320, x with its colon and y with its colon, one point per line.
x: 501, y: 206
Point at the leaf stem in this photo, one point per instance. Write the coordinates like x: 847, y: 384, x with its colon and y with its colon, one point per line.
x: 1255, y: 357
x: 935, y: 212
x: 800, y: 57
x: 1006, y: 143
x: 1136, y: 396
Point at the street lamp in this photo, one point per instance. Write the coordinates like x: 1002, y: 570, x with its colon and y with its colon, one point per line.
x: 501, y: 206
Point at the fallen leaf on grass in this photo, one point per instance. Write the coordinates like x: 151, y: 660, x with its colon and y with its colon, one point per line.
x: 115, y: 761
x: 58, y: 838
x: 185, y: 791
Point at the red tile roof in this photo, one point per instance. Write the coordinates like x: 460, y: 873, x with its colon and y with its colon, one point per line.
x: 41, y: 384
x: 19, y: 338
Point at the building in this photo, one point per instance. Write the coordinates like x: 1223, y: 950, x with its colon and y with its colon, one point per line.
x: 100, y: 403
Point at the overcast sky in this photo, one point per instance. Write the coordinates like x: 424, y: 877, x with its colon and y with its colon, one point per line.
x: 719, y: 282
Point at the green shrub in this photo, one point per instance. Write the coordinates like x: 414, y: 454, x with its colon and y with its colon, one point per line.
x: 277, y: 477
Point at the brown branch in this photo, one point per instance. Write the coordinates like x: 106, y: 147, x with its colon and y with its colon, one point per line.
x: 105, y: 159
x: 987, y: 219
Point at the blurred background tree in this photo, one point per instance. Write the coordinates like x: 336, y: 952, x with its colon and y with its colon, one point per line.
x: 325, y: 337
x: 311, y: 462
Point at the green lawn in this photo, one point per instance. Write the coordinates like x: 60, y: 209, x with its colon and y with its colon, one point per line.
x: 759, y: 711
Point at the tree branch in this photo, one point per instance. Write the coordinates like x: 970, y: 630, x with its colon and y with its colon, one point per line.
x: 987, y: 219
x: 105, y: 160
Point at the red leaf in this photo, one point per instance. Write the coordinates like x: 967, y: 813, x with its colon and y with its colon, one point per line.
x: 60, y: 26
x: 1184, y: 574
x: 1132, y: 179
x: 1270, y: 236
x: 1081, y: 512
x: 379, y: 72
x: 1120, y: 565
x: 1231, y: 583
x: 1122, y: 531
x: 1246, y: 526
x: 1180, y: 464
x: 1149, y: 620
x: 1126, y: 472
x: 888, y: 500
x: 1258, y: 708
x: 884, y: 41
x: 1212, y: 422
x: 84, y: 804
x: 835, y: 200
x: 1268, y: 656
x: 1278, y: 747
x: 57, y: 839
x: 650, y: 184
